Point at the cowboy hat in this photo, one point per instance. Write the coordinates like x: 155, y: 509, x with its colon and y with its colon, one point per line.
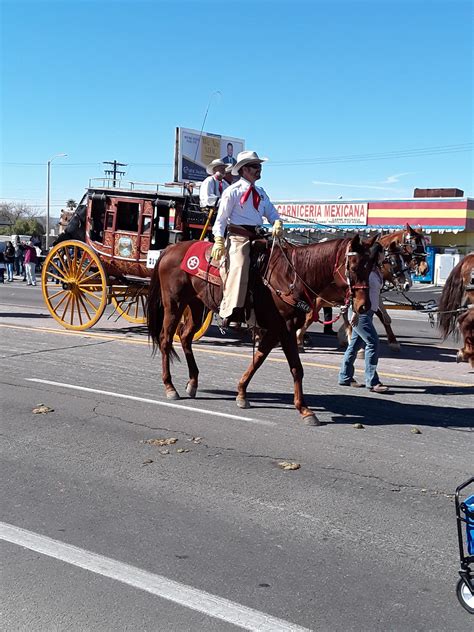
x: 243, y: 158
x: 212, y: 166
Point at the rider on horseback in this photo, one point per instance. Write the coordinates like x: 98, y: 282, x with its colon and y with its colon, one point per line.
x: 241, y: 211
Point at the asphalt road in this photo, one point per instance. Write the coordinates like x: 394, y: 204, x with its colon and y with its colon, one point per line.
x: 103, y: 531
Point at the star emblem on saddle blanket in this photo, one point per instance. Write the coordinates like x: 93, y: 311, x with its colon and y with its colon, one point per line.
x: 192, y: 262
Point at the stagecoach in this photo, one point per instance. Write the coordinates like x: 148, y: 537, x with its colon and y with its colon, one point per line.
x: 110, y: 246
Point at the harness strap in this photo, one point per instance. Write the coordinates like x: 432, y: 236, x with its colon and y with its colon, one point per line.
x: 289, y: 299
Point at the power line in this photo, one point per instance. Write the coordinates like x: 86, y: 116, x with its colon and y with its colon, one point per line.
x: 402, y: 153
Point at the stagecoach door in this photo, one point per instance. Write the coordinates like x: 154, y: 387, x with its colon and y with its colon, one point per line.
x: 161, y: 224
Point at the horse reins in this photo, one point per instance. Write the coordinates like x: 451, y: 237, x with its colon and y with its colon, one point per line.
x: 308, y: 291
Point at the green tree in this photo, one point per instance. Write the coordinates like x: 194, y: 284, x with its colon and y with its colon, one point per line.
x: 27, y: 226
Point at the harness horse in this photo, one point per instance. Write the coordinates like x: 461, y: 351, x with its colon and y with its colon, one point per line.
x: 293, y: 276
x: 456, y: 307
x: 404, y: 253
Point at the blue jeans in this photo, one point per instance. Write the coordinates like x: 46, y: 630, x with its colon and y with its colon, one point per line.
x: 363, y: 334
x: 10, y: 271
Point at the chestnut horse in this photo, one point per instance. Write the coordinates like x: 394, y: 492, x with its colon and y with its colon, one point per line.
x: 404, y: 253
x: 293, y: 277
x: 456, y: 307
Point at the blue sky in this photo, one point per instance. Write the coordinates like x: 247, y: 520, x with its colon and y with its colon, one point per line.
x: 346, y: 98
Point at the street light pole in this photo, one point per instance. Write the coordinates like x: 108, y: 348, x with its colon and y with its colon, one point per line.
x: 48, y: 191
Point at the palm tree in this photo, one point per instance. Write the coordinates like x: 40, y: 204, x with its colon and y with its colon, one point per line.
x: 71, y: 204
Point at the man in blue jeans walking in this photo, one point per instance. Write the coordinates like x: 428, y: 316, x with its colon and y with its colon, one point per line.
x: 365, y: 334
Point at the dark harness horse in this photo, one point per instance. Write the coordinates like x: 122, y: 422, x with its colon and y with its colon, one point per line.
x: 293, y: 277
x: 456, y: 307
x: 405, y: 253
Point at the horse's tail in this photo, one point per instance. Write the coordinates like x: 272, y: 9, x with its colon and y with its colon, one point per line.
x: 155, y: 312
x: 450, y: 300
x: 154, y: 309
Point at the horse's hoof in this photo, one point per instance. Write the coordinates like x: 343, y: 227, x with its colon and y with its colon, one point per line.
x: 311, y: 420
x: 394, y: 347
x: 172, y: 395
x: 242, y: 402
x: 460, y: 357
x: 191, y: 390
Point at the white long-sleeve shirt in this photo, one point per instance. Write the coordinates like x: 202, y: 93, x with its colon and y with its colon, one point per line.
x: 210, y: 186
x: 232, y: 211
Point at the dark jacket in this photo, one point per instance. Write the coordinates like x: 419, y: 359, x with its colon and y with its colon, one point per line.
x: 9, y: 253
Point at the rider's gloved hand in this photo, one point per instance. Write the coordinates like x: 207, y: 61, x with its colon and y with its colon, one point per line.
x: 277, y: 230
x: 218, y: 248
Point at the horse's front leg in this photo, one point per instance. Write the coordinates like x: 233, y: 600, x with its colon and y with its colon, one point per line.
x: 300, y: 333
x: 344, y: 332
x: 386, y: 320
x: 290, y: 349
x: 267, y: 342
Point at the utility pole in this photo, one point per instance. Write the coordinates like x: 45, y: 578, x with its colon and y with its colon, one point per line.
x: 114, y: 172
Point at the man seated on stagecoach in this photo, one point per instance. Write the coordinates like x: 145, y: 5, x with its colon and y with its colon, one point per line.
x: 214, y: 185
x: 242, y: 209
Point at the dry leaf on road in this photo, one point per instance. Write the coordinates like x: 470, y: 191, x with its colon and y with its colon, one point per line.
x: 42, y: 409
x: 287, y: 465
x: 169, y: 441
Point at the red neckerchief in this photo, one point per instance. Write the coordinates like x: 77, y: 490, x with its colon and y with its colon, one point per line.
x: 255, y: 196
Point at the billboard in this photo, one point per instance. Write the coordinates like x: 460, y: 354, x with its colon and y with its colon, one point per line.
x: 327, y: 213
x: 194, y: 150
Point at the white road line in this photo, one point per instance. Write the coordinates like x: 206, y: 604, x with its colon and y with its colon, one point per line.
x: 203, y: 411
x: 186, y: 596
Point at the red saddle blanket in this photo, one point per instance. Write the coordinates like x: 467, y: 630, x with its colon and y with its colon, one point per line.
x: 196, y: 262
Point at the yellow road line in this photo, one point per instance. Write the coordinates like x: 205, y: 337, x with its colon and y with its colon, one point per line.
x: 121, y: 338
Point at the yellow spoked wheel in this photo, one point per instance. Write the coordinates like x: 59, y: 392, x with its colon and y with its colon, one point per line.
x: 206, y: 323
x: 74, y: 285
x: 130, y: 302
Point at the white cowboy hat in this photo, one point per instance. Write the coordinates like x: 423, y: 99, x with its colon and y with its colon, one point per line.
x: 229, y: 168
x: 212, y: 166
x: 243, y: 158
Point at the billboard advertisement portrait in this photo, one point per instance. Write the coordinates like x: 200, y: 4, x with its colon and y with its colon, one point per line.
x: 195, y: 150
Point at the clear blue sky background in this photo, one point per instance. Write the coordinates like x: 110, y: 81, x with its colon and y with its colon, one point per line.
x: 316, y: 86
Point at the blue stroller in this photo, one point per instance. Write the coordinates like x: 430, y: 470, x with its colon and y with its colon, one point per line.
x: 465, y: 514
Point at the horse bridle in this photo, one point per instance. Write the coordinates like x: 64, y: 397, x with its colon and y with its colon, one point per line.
x: 398, y: 266
x: 414, y: 246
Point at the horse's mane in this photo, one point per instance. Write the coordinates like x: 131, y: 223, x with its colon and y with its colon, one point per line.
x: 450, y: 300
x: 319, y: 259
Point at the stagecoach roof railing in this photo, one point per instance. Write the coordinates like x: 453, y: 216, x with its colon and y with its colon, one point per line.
x: 136, y: 186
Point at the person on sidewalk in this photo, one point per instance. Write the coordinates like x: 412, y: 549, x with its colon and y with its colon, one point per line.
x: 242, y: 209
x: 30, y: 263
x: 2, y: 267
x: 9, y: 260
x: 365, y: 334
x: 19, y: 270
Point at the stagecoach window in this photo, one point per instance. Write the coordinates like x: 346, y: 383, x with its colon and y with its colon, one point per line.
x: 146, y: 224
x: 127, y: 216
x: 109, y: 221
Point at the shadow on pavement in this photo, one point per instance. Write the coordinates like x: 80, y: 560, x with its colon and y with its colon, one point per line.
x: 371, y: 410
